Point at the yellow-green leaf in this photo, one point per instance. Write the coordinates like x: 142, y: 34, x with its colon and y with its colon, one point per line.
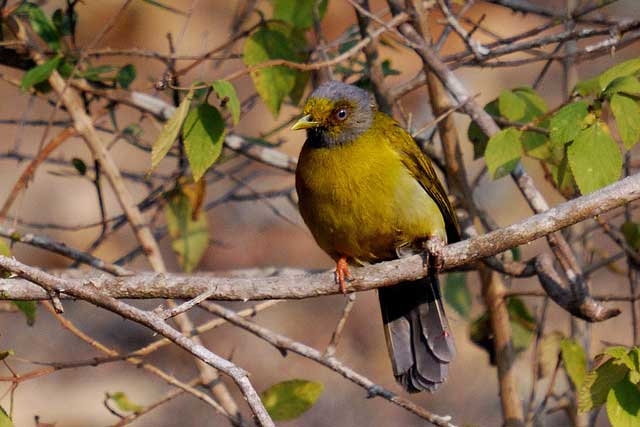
x: 272, y: 83
x: 588, y: 87
x: 503, y: 152
x: 627, y: 68
x: 290, y: 399
x: 170, y: 131
x: 124, y: 403
x: 203, y: 132
x: 5, y: 419
x: 575, y: 361
x: 629, y: 85
x: 535, y: 105
x: 627, y: 113
x: 623, y: 404
x: 4, y: 248
x: 190, y: 236
x: 511, y: 105
x: 595, y: 159
x: 229, y: 97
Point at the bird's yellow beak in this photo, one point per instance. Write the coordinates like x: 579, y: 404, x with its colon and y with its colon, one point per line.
x: 305, y: 122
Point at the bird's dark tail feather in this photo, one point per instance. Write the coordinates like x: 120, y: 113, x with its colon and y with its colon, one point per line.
x: 418, y: 337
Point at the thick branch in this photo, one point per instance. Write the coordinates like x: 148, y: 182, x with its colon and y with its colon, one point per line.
x: 149, y: 285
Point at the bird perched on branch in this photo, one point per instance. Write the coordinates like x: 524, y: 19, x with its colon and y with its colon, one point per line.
x: 368, y: 194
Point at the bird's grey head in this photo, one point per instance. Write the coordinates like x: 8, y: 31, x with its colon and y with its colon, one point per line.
x: 336, y: 113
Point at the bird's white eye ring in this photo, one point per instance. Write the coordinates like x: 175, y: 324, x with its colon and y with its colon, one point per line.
x: 342, y: 114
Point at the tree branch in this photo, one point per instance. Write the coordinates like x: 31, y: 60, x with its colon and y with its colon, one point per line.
x: 150, y: 285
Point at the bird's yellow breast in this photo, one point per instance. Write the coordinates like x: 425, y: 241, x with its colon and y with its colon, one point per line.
x: 359, y: 199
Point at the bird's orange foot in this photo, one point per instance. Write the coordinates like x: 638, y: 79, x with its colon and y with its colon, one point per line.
x: 342, y: 273
x: 434, y: 246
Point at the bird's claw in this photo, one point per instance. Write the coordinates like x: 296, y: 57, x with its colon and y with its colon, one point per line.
x: 434, y: 246
x: 342, y: 274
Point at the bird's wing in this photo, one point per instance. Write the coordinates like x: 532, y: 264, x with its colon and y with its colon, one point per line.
x: 421, y: 168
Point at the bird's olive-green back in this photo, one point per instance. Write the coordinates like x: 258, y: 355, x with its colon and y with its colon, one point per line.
x: 367, y: 197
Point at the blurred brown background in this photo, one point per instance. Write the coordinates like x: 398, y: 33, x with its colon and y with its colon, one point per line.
x: 250, y: 235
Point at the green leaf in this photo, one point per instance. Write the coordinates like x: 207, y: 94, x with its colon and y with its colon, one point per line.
x: 629, y: 85
x: 290, y: 399
x: 28, y: 308
x: 227, y: 94
x: 80, y: 165
x: 548, y: 353
x: 595, y: 159
x: 477, y: 136
x: 621, y: 356
x: 298, y: 13
x: 5, y: 419
x: 457, y: 295
x: 627, y: 68
x: 190, y: 235
x: 566, y: 123
x: 512, y: 107
x: 503, y: 152
x: 588, y: 87
x: 39, y: 73
x: 562, y: 177
x: 575, y: 361
x: 272, y: 83
x: 627, y: 114
x: 535, y: 106
x: 298, y: 42
x: 203, y: 132
x: 40, y: 24
x: 170, y: 131
x: 97, y: 73
x: 631, y: 231
x: 63, y: 22
x: 126, y: 75
x: 387, y: 69
x: 133, y: 130
x: 623, y: 404
x: 124, y: 403
x: 535, y: 145
x: 597, y: 383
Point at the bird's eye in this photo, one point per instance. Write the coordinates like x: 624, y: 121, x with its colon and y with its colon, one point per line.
x: 342, y: 114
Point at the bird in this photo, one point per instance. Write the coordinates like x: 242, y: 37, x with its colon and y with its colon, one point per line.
x: 368, y: 193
